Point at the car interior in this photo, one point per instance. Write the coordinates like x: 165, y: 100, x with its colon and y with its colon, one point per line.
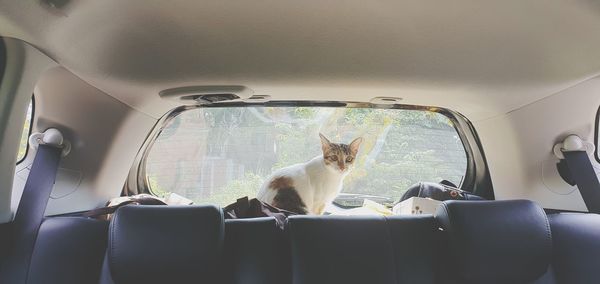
x: 300, y: 142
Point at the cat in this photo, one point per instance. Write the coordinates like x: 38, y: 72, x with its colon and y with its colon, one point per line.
x: 307, y: 188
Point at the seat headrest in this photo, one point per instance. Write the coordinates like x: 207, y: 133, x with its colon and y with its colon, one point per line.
x: 497, y: 241
x: 165, y: 244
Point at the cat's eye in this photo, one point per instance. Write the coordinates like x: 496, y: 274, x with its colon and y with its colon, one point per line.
x: 333, y: 158
x: 349, y: 160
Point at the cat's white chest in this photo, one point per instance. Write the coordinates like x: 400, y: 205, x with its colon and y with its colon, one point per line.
x: 324, y: 190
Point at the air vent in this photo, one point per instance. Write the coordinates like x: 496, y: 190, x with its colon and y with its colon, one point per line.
x: 212, y: 98
x: 258, y: 99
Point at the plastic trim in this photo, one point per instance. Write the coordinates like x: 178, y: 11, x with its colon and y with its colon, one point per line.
x: 30, y: 129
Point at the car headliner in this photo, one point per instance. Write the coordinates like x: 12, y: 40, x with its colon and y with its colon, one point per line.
x: 481, y: 58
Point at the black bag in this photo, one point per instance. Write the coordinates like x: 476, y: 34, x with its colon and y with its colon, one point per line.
x: 438, y: 191
x: 253, y: 208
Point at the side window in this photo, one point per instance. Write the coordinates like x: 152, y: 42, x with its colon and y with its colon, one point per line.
x: 24, y: 145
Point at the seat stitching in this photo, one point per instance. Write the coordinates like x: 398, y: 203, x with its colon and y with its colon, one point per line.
x: 547, y: 225
x: 112, y: 242
x: 385, y: 219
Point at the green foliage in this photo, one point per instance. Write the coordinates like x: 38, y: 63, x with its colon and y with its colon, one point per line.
x: 156, y: 188
x: 246, y: 186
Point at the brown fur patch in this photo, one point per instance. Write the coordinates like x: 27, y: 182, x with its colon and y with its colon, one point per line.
x: 281, y: 183
x: 289, y: 199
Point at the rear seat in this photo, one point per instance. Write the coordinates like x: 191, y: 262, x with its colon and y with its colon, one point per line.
x: 256, y: 252
x: 481, y: 242
x: 576, y: 254
x: 164, y: 244
x: 68, y: 250
x: 329, y: 249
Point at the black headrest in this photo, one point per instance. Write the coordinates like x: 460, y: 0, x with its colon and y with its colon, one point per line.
x: 165, y: 244
x: 497, y: 241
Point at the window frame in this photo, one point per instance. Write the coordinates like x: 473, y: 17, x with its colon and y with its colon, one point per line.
x: 29, y: 132
x: 470, y: 141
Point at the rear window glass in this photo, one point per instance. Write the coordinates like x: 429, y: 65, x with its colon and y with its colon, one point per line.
x: 216, y: 155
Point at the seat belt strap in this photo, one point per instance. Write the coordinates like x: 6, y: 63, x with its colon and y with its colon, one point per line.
x: 582, y: 172
x: 574, y: 151
x: 31, y: 209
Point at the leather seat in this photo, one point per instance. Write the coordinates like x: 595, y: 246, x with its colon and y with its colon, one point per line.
x: 256, y: 252
x: 68, y: 250
x: 418, y: 247
x: 165, y: 244
x: 496, y: 241
x: 481, y: 242
x: 330, y: 249
x: 576, y: 251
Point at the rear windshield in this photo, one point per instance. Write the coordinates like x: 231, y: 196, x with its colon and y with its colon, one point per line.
x: 216, y: 155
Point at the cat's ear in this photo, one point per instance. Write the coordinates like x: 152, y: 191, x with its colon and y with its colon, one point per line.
x: 325, y: 144
x: 355, y: 144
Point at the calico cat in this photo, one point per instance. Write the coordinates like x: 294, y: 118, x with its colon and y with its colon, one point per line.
x: 307, y: 188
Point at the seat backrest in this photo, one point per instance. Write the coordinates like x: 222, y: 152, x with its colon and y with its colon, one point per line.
x: 369, y: 249
x: 496, y: 241
x: 68, y: 250
x: 165, y: 244
x: 256, y: 252
x: 418, y: 247
x: 481, y: 242
x: 576, y: 252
